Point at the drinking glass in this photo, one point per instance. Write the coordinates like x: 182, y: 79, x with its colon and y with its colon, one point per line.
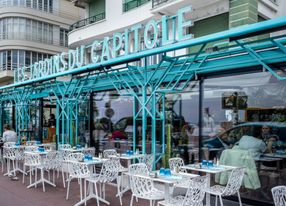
x: 168, y: 172
x: 204, y: 163
x: 162, y: 171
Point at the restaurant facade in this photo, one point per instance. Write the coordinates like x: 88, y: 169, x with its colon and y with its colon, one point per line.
x: 136, y: 90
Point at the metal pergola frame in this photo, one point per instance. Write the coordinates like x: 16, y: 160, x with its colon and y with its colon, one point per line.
x: 148, y: 84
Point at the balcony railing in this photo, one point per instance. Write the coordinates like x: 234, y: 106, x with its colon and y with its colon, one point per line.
x: 156, y: 3
x: 90, y: 20
x: 127, y: 6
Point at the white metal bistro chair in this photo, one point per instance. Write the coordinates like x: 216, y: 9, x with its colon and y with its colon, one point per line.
x: 89, y: 151
x: 63, y: 157
x: 32, y: 161
x: 147, y: 159
x: 142, y: 187
x: 64, y: 146
x: 107, y: 174
x: 194, y: 196
x: 9, y: 153
x: 31, y: 148
x: 232, y: 187
x: 176, y: 162
x: 31, y: 143
x: 279, y: 195
x: 109, y: 152
x: 9, y: 144
x: 76, y: 156
x: 77, y: 170
x: 120, y: 172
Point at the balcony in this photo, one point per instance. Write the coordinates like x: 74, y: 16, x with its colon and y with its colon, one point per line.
x: 156, y: 3
x: 127, y: 6
x: 87, y: 21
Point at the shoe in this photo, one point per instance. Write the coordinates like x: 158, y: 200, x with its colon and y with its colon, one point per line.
x: 14, y: 178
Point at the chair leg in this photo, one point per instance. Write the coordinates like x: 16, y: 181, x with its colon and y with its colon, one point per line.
x: 24, y: 169
x: 63, y: 176
x: 216, y: 200
x: 13, y: 161
x: 118, y: 189
x: 36, y: 175
x: 68, y: 189
x: 80, y: 188
x: 30, y: 175
x: 84, y: 192
x: 220, y: 199
x: 131, y: 201
x: 96, y: 193
x: 239, y: 199
x: 42, y: 177
x: 151, y: 203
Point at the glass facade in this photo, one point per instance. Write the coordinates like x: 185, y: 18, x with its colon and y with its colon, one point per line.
x: 244, y: 123
x: 238, y: 119
x: 11, y: 59
x: 18, y: 28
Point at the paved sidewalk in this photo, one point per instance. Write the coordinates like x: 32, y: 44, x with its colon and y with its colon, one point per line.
x: 13, y: 193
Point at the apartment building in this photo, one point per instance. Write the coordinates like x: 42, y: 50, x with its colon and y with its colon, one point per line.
x: 33, y: 30
x: 105, y: 17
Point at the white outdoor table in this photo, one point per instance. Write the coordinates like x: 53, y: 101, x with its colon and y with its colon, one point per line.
x: 275, y: 155
x: 42, y: 179
x: 168, y: 181
x: 73, y: 150
x: 128, y: 158
x: 208, y: 171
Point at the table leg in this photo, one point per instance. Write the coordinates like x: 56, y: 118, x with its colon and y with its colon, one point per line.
x: 208, y: 196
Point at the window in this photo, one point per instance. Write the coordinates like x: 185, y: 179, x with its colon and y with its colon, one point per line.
x: 64, y: 37
x: 27, y: 29
x: 27, y: 58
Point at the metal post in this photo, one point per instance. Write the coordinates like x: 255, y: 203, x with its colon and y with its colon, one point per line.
x: 41, y: 114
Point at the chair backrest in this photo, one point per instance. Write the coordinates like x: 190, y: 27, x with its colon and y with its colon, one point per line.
x: 109, y: 171
x: 9, y: 144
x: 20, y: 155
x: 64, y: 154
x: 89, y: 151
x: 9, y: 152
x: 176, y: 162
x: 234, y: 181
x: 76, y: 156
x: 32, y: 148
x: 32, y: 159
x: 140, y: 185
x: 109, y: 152
x: 196, y: 191
x: 147, y: 159
x: 139, y: 168
x: 52, y: 160
x: 49, y: 146
x: 279, y: 195
x: 64, y: 146
x: 78, y: 169
x: 31, y: 143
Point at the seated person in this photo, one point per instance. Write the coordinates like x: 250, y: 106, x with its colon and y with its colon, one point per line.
x: 252, y: 143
